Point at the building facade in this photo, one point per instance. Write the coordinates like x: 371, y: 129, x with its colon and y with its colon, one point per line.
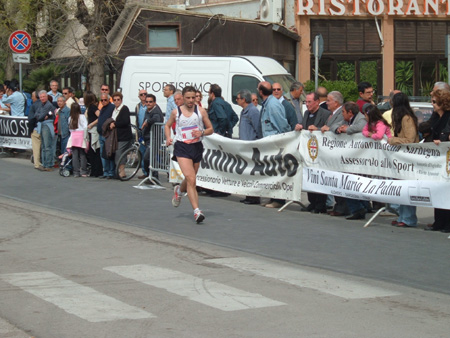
x: 394, y: 44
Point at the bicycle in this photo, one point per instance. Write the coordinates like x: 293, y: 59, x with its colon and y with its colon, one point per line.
x: 132, y: 157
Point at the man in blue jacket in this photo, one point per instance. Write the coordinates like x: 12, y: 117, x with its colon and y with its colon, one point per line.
x: 273, y: 121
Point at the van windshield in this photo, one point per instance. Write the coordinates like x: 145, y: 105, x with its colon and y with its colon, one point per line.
x: 285, y: 80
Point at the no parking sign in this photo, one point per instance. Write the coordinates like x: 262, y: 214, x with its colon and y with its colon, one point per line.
x: 20, y: 41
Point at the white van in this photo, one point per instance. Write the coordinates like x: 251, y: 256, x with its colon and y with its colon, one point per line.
x: 231, y: 73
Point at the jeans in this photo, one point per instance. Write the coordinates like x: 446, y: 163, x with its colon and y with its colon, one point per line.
x: 356, y: 205
x: 64, y: 143
x: 108, y: 165
x: 407, y: 214
x: 47, y: 147
x: 144, y: 167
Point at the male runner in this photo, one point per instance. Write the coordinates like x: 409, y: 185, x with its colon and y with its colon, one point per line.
x: 192, y: 123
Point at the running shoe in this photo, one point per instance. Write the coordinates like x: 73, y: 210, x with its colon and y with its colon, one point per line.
x: 176, y: 199
x: 199, y: 217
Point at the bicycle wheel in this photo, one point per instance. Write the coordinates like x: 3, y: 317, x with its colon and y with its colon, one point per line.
x: 132, y: 161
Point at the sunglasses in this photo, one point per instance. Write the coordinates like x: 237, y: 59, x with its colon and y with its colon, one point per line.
x: 104, y: 89
x: 65, y: 93
x: 104, y: 100
x: 142, y: 94
x: 117, y: 100
x: 277, y: 89
x: 149, y: 101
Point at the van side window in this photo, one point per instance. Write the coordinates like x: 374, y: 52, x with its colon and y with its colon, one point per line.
x: 240, y: 82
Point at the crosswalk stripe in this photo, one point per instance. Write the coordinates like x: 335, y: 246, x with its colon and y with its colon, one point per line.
x: 74, y: 298
x: 200, y: 290
x: 299, y: 277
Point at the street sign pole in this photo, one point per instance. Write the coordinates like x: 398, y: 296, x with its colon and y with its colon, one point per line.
x: 20, y: 77
x: 316, y: 53
x: 317, y: 50
x: 20, y: 42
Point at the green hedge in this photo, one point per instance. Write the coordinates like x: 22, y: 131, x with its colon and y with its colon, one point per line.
x: 349, y: 89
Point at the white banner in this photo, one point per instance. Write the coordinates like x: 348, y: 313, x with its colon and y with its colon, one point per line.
x: 406, y: 192
x: 14, y: 132
x: 361, y: 155
x: 269, y: 167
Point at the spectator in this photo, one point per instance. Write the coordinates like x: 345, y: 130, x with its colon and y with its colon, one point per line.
x: 4, y: 109
x: 249, y: 127
x: 63, y: 114
x: 376, y: 126
x: 169, y: 89
x: 15, y: 99
x: 69, y: 94
x: 221, y: 115
x: 405, y: 131
x: 34, y: 128
x: 93, y: 154
x: 273, y: 121
x: 105, y: 113
x: 53, y: 92
x: 291, y: 115
x: 153, y: 115
x: 121, y: 117
x: 198, y: 98
x: 365, y: 91
x: 44, y: 115
x: 440, y: 130
x: 77, y: 127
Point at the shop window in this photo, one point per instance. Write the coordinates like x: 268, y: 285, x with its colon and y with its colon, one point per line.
x: 420, y: 36
x: 162, y: 37
x: 347, y: 36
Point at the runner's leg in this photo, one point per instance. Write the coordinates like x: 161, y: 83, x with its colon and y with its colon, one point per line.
x: 189, y: 170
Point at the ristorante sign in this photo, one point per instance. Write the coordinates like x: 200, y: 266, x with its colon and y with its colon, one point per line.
x: 408, y: 8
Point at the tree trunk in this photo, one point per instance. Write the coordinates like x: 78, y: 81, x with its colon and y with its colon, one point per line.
x: 10, y: 71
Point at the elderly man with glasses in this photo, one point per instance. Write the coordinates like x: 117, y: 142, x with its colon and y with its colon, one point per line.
x: 105, y: 113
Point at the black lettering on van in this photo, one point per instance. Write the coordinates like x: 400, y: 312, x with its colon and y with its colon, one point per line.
x: 156, y: 87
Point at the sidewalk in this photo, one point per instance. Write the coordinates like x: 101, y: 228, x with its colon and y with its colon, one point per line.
x: 10, y: 331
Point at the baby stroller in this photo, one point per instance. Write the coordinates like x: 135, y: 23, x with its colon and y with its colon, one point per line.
x: 65, y: 167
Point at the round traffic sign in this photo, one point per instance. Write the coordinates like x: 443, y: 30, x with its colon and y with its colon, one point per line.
x: 20, y: 41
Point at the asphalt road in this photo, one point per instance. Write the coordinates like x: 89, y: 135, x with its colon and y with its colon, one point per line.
x: 93, y: 258
x: 410, y: 257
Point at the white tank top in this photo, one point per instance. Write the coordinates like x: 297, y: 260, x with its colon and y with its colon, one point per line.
x: 186, y: 125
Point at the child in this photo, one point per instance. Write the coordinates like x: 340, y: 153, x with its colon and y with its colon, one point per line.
x: 376, y: 126
x: 77, y: 127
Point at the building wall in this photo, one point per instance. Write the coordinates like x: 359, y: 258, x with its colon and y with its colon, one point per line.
x: 221, y: 37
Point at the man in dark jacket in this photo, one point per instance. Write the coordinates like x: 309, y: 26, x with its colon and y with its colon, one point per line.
x: 220, y: 112
x: 153, y: 114
x: 105, y: 113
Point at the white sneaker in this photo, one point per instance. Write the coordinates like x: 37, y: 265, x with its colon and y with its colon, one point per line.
x: 199, y: 217
x: 176, y: 199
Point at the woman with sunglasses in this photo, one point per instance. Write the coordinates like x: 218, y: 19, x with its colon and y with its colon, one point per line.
x: 440, y: 130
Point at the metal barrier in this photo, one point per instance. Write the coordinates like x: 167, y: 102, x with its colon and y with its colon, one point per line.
x: 159, y: 154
